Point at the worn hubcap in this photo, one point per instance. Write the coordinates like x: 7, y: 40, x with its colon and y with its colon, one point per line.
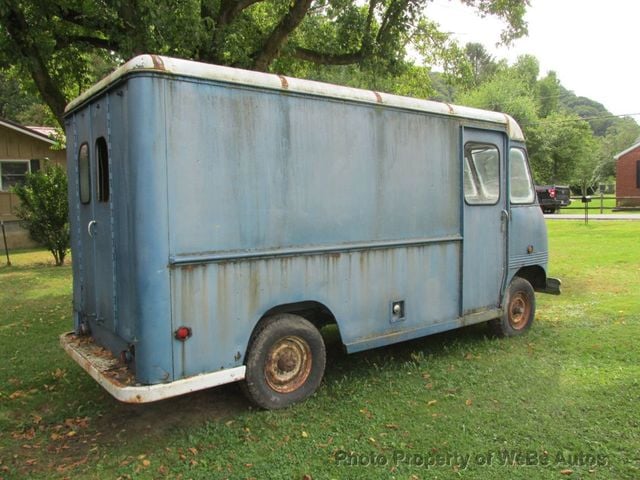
x: 288, y: 364
x: 519, y: 310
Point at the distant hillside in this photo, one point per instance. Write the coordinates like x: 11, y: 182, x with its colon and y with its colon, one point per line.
x: 594, y: 112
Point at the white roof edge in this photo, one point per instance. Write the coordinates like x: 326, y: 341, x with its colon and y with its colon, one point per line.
x: 27, y: 131
x: 624, y: 152
x: 189, y: 68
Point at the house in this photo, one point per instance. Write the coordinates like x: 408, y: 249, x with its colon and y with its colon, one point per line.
x: 22, y: 150
x: 628, y: 177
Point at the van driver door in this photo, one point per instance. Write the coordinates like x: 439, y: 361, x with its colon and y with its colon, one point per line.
x: 485, y: 219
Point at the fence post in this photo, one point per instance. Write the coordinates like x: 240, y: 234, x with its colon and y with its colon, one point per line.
x: 601, y: 201
x: 6, y: 249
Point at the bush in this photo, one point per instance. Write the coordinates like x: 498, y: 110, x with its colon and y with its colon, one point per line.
x: 44, y: 211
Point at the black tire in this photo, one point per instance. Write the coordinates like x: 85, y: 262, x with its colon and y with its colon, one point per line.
x: 519, y: 309
x: 285, y: 362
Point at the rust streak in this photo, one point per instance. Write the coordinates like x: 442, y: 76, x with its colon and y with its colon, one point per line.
x: 158, y: 64
x: 450, y: 107
x: 283, y: 80
x: 378, y: 97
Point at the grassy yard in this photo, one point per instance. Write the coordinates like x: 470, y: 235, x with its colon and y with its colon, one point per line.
x: 560, y: 402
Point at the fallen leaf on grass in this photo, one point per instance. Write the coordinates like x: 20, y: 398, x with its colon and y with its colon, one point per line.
x: 431, y: 403
x: 469, y: 402
x: 566, y: 471
x: 366, y: 412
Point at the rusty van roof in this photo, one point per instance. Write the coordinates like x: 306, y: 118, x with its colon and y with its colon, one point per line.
x: 188, y: 68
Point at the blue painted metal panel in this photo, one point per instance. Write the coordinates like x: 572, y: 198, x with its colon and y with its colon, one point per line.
x: 258, y: 170
x: 527, y: 229
x: 222, y: 301
x: 149, y: 225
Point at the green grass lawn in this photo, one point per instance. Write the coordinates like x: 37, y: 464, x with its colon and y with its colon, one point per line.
x: 560, y: 402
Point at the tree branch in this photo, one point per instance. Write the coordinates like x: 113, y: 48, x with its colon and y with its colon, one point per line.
x: 280, y: 34
x: 97, y: 42
x: 328, y: 58
x: 229, y: 10
x: 17, y: 28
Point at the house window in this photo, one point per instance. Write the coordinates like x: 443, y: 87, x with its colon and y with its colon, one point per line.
x: 12, y: 172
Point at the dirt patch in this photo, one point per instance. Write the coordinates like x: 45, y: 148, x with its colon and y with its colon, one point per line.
x: 70, y: 447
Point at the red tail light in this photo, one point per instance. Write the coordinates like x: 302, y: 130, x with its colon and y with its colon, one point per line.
x: 552, y: 193
x: 182, y: 333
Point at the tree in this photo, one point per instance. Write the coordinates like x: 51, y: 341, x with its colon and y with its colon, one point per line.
x: 505, y: 92
x: 562, y: 149
x: 60, y: 42
x: 482, y: 64
x: 43, y: 209
x: 623, y: 133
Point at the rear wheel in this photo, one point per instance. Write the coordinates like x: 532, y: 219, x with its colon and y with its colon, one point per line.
x: 285, y: 362
x: 519, y: 309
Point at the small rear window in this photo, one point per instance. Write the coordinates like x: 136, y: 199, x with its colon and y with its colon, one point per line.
x: 84, y: 173
x: 102, y: 153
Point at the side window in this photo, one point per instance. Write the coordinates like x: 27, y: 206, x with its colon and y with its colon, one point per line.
x: 102, y: 183
x: 481, y: 174
x: 84, y: 173
x: 520, y: 178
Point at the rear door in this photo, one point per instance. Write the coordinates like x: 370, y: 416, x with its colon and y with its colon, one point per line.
x: 485, y: 219
x: 95, y: 220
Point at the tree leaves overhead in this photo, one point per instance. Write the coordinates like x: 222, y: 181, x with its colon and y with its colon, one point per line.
x: 65, y: 45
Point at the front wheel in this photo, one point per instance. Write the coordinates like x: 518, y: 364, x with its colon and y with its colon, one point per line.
x: 519, y: 309
x: 285, y: 362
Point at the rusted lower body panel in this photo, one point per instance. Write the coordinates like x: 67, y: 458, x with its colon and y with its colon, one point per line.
x: 222, y: 299
x: 117, y: 379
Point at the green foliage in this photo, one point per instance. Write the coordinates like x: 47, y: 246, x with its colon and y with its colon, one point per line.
x: 65, y: 45
x: 20, y: 102
x: 568, y: 140
x: 622, y: 134
x: 44, y: 211
x: 563, y: 150
x: 505, y: 92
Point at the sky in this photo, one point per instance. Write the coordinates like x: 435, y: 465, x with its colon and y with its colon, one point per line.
x: 592, y: 45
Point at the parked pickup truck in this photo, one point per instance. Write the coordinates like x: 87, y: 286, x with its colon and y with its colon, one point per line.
x: 552, y: 197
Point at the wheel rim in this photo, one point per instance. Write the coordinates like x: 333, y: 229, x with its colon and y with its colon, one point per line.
x: 288, y: 364
x: 519, y: 311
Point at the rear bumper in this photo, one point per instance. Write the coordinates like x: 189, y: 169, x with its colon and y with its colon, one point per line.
x: 552, y: 286
x: 116, y: 379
